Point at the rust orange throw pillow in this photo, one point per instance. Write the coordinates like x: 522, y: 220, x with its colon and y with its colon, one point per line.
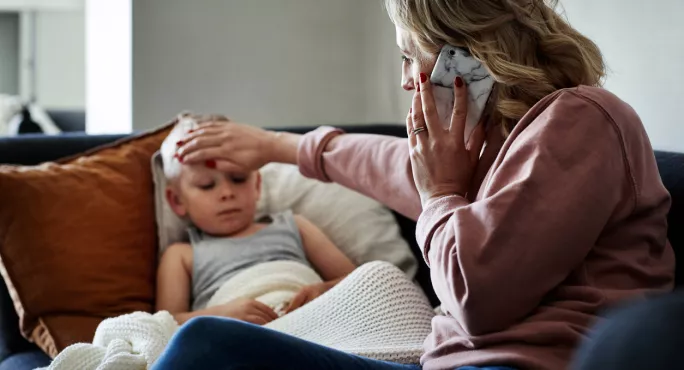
x: 78, y: 239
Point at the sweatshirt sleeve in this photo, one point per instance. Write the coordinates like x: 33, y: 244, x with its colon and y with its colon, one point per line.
x: 374, y: 165
x: 540, y: 213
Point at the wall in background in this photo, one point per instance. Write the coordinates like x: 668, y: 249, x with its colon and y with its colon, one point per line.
x: 387, y: 101
x: 60, y: 52
x: 642, y: 44
x: 9, y: 53
x: 315, y: 62
x: 270, y: 63
x: 60, y: 57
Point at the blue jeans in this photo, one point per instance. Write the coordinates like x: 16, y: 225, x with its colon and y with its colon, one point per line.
x: 645, y: 334
x: 219, y: 343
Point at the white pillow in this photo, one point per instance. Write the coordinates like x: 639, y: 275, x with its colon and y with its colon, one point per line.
x: 364, y: 229
x: 361, y: 227
x: 170, y: 228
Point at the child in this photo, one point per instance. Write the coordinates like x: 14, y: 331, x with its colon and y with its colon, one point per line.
x: 225, y: 239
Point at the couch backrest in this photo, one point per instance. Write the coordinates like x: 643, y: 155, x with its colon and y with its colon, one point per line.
x: 671, y: 168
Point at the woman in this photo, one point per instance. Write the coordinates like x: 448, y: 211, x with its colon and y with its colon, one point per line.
x: 553, y: 211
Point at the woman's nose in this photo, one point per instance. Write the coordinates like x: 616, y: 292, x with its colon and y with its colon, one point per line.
x: 408, y: 84
x: 407, y: 73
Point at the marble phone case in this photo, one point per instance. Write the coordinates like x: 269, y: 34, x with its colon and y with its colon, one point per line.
x: 452, y: 62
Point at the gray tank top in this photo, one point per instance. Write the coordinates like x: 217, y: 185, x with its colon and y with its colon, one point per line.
x: 217, y: 259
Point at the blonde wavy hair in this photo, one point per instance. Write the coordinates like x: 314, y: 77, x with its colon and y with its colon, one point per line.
x: 529, y: 49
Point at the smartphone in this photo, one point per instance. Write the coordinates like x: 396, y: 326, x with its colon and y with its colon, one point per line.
x: 451, y: 62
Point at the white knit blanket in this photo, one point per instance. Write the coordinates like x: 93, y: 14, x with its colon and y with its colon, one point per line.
x: 375, y: 312
x: 128, y: 342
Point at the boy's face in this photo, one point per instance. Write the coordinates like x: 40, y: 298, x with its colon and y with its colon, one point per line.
x: 218, y: 203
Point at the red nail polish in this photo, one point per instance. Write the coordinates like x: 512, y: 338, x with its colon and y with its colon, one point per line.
x: 179, y: 143
x: 423, y: 77
x: 180, y: 159
x: 210, y: 163
x: 458, y: 81
x: 191, y: 131
x: 417, y: 88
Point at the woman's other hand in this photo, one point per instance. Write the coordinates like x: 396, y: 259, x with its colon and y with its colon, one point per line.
x: 234, y: 147
x: 441, y: 161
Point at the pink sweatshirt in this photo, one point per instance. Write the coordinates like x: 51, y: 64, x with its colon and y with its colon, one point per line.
x: 570, y: 218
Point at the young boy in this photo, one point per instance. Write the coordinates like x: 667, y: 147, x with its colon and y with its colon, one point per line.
x: 225, y: 239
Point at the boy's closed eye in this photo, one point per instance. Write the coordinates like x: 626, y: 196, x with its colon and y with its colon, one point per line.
x: 207, y: 186
x: 238, y: 179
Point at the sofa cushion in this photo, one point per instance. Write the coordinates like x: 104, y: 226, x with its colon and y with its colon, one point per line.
x: 77, y: 239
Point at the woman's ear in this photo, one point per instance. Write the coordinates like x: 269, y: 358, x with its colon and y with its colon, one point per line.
x: 175, y: 202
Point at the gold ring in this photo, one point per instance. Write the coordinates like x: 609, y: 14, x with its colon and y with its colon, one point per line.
x: 418, y: 130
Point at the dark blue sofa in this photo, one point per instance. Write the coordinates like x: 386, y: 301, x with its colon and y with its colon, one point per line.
x: 18, y: 354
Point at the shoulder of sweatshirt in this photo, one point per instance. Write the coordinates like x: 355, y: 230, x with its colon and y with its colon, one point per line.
x: 572, y: 122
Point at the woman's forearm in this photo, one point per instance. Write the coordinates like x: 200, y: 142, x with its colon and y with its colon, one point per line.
x: 374, y: 165
x: 282, y: 147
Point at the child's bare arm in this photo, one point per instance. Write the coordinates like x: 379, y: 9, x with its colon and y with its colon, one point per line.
x: 174, y: 278
x: 325, y: 257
